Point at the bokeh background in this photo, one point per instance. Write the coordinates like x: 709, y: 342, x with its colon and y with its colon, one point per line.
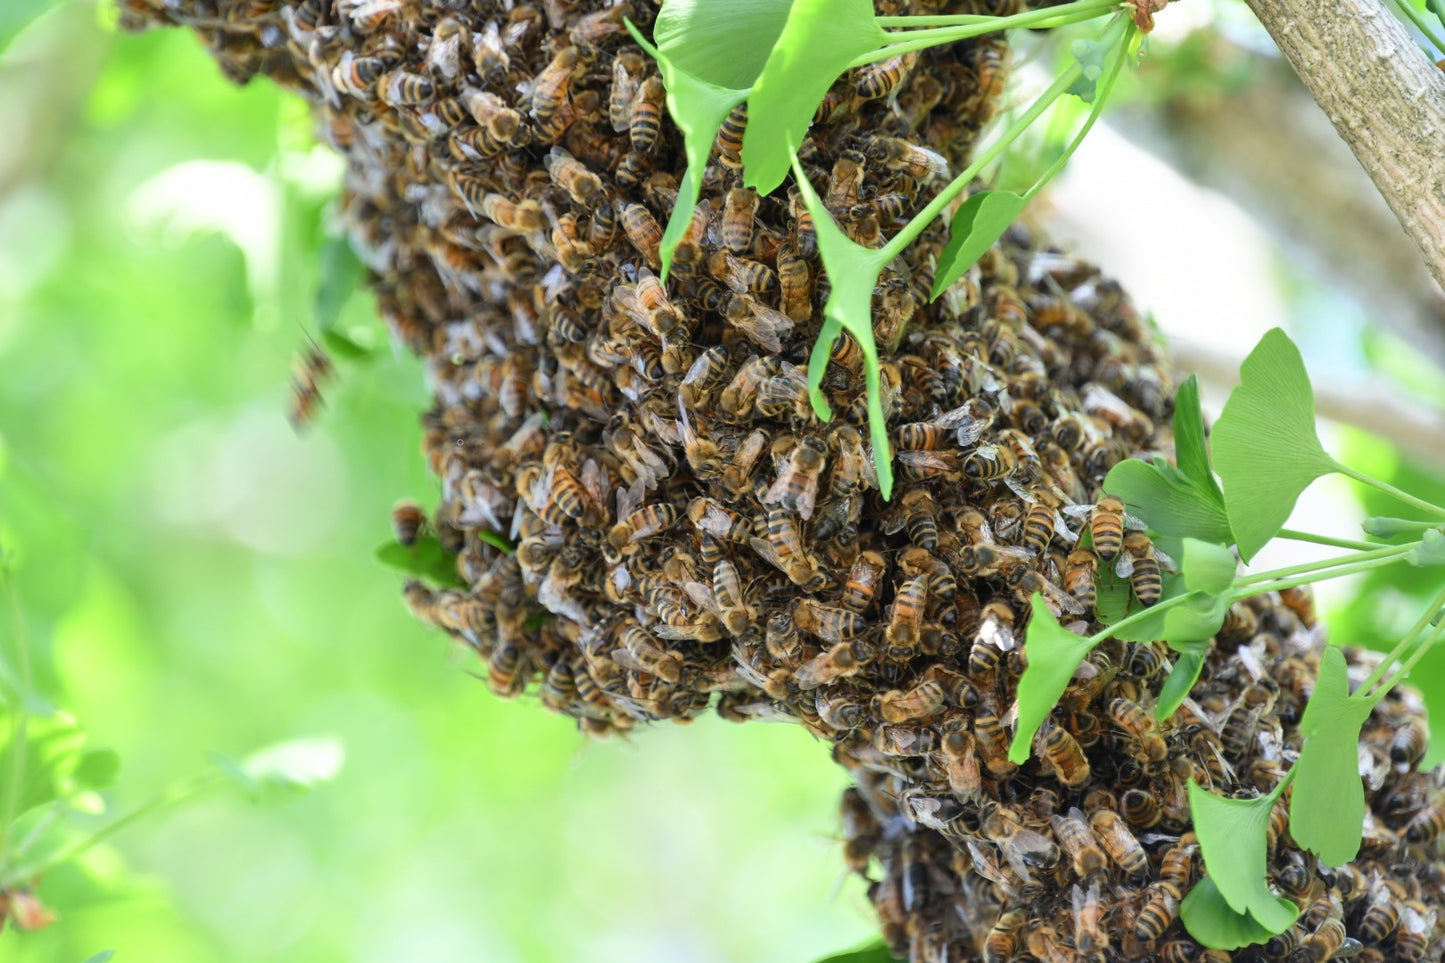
x: 187, y: 576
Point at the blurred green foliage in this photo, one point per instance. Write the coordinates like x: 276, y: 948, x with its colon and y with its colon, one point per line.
x: 194, y: 579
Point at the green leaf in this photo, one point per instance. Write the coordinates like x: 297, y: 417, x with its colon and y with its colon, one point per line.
x: 16, y: 15
x: 875, y: 952
x: 1207, y: 567
x: 1111, y: 595
x: 1327, y: 809
x: 1190, y: 449
x: 1209, y: 920
x: 1052, y: 653
x: 853, y: 271
x: 1181, y: 678
x: 1382, y: 526
x: 978, y: 222
x: 1437, y: 8
x: 96, y: 769
x: 820, y: 39
x: 1155, y: 624
x: 1430, y: 552
x: 237, y: 775
x: 1233, y: 838
x: 1170, y: 500
x: 297, y: 765
x: 1091, y: 55
x: 52, y: 751
x: 1265, y: 446
x: 345, y: 348
x: 103, y: 956
x: 426, y: 560
x: 721, y: 44
x: 699, y: 108
x: 496, y: 540
x: 340, y: 274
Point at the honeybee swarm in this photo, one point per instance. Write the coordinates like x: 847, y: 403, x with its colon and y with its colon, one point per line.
x: 690, y: 537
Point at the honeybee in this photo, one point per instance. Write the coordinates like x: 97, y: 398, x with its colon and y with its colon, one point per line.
x: 805, y: 232
x: 919, y: 519
x: 550, y: 88
x: 729, y: 144
x: 1079, y: 842
x: 981, y: 561
x: 992, y: 741
x: 1417, y: 925
x: 1090, y: 935
x: 917, y: 162
x: 1132, y: 718
x: 1079, y: 574
x: 796, y: 282
x: 1140, y: 564
x: 1039, y: 522
x: 1119, y: 843
x: 1141, y: 808
x: 644, y: 118
x: 727, y: 590
x: 1003, y: 941
x: 1058, y: 747
x: 960, y: 764
x: 1427, y: 824
x: 840, y: 712
x: 643, y: 231
x: 1327, y: 942
x: 829, y: 623
x: 737, y: 476
x: 505, y: 676
x: 643, y: 651
x: 407, y: 522
x: 784, y: 548
x: 523, y: 217
x: 642, y: 523
x: 920, y: 702
x: 941, y: 583
x: 743, y: 276
x: 559, y: 686
x: 570, y: 174
x: 356, y: 75
x: 785, y: 397
x: 843, y: 183
x: 828, y: 666
x: 862, y: 583
x: 796, y: 487
x: 1107, y: 527
x: 314, y: 369
x: 1300, y: 600
x: 1022, y: 847
x: 1161, y: 906
x: 906, y: 614
x: 989, y: 463
x: 627, y: 74
x: 740, y: 395
x: 420, y: 600
x: 400, y: 88
x: 739, y: 209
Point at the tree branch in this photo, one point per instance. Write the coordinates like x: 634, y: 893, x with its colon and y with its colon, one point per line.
x: 1384, y: 96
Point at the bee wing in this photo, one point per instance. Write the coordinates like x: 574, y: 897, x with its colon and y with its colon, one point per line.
x: 746, y: 669
x: 554, y: 600
x: 1124, y: 567
x: 995, y: 633
x: 1063, y: 531
x: 629, y: 498
x: 594, y: 480
x: 762, y: 325
x: 937, y: 163
x: 943, y: 462
x: 1165, y: 561
x: 1077, y: 511
x: 702, y: 595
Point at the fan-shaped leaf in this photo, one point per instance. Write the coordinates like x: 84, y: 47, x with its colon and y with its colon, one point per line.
x: 978, y: 222
x: 1327, y: 809
x: 1233, y: 837
x: 1191, y: 452
x: 1207, y: 567
x: 1181, y: 678
x: 818, y: 42
x: 721, y: 44
x: 1209, y: 919
x: 1170, y: 500
x: 1052, y: 653
x: 1265, y: 446
x: 426, y: 559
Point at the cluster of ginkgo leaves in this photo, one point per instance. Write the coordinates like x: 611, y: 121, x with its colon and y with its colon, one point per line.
x: 780, y: 57
x: 1210, y: 514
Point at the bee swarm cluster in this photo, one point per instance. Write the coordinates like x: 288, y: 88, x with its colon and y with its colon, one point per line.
x: 691, y: 537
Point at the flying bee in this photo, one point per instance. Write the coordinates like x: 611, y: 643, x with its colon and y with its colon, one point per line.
x: 739, y: 209
x: 900, y: 155
x: 642, y: 523
x: 1079, y: 575
x: 796, y: 487
x: 1119, y: 843
x: 881, y: 78
x: 505, y: 675
x: 796, y: 282
x: 762, y: 325
x: 1058, y: 746
x: 742, y: 275
x: 1132, y: 718
x: 314, y: 368
x: 828, y: 666
x: 643, y: 231
x: 407, y: 522
x: 1079, y: 842
x: 920, y: 702
x: 829, y: 623
x: 1140, y: 564
x: 989, y: 463
x: 907, y: 615
x: 1161, y: 906
x: 570, y: 174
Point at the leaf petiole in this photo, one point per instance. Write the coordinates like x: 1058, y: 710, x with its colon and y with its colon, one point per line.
x: 1331, y: 541
x: 1404, y: 644
x: 1244, y: 592
x: 1059, y: 16
x: 1377, y: 552
x: 1391, y: 490
x: 1415, y: 657
x: 1136, y: 618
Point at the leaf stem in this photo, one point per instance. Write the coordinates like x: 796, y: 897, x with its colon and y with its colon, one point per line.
x: 935, y: 207
x: 1059, y: 16
x: 1101, y: 97
x: 19, y: 738
x: 1259, y: 588
x: 1377, y: 552
x: 1405, y: 642
x: 170, y: 797
x: 1331, y: 541
x: 1137, y: 617
x: 1408, y: 664
x: 1391, y: 490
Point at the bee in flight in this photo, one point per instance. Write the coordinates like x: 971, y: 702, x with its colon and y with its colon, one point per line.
x: 314, y: 368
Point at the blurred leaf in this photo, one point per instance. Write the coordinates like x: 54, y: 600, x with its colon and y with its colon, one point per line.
x: 15, y: 15
x: 426, y: 560
x: 341, y: 273
x: 496, y: 540
x: 1233, y: 838
x: 818, y: 42
x: 699, y: 109
x: 1383, y: 526
x: 102, y: 957
x: 876, y: 952
x: 52, y: 751
x: 345, y: 348
x: 1430, y: 552
x: 722, y: 44
x: 1437, y: 8
x: 1327, y: 809
x: 1091, y: 55
x: 237, y: 775
x: 978, y: 222
x: 1053, y: 653
x: 853, y: 271
x: 1207, y: 567
x: 97, y: 769
x: 1181, y: 678
x: 1211, y: 921
x: 1265, y: 446
x: 297, y: 765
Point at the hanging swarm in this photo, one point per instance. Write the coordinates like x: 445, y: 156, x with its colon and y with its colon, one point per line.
x: 690, y: 536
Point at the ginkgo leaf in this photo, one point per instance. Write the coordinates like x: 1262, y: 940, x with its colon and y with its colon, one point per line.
x: 1327, y: 808
x: 699, y: 108
x: 853, y: 273
x: 723, y: 44
x: 818, y: 42
x: 978, y: 222
x: 1191, y: 452
x: 1181, y: 678
x: 1265, y: 446
x: 1211, y: 921
x: 1207, y: 567
x: 1053, y: 653
x: 1173, y: 503
x: 426, y: 559
x: 1233, y: 838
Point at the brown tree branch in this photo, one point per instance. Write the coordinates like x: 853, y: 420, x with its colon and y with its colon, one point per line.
x: 1385, y: 98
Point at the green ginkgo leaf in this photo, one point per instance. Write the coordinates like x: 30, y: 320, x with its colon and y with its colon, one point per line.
x: 426, y: 560
x: 1053, y: 653
x: 1265, y: 446
x: 853, y: 273
x: 1234, y: 840
x: 1191, y: 451
x: 1211, y: 921
x: 1207, y: 567
x: 874, y: 952
x: 1175, y: 506
x: 1181, y: 678
x: 1327, y: 808
x: 978, y: 222
x: 722, y: 44
x: 818, y: 42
